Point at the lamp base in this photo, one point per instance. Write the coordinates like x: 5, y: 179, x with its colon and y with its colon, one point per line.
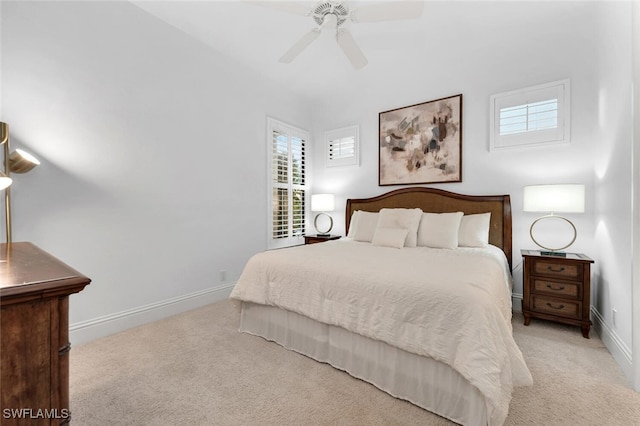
x: 323, y: 235
x: 324, y: 232
x: 553, y: 253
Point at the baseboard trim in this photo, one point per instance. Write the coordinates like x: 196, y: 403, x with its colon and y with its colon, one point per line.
x: 618, y: 349
x: 86, y: 331
x: 516, y: 302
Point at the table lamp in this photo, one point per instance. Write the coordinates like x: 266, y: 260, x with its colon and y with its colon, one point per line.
x: 322, y: 203
x: 551, y: 199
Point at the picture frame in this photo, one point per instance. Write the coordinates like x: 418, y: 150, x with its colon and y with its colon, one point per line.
x: 421, y: 143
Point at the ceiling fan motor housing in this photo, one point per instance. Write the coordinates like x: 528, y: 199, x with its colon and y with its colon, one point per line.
x: 325, y: 8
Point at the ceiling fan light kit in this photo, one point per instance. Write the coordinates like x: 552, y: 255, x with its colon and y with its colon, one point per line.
x: 334, y: 14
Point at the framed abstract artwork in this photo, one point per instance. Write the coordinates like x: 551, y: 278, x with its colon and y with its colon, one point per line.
x: 421, y: 143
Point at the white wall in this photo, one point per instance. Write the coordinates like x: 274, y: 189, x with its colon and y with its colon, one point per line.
x: 612, y: 284
x: 496, y: 47
x: 152, y: 150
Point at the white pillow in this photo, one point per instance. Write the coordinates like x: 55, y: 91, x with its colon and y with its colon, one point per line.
x: 352, y: 224
x: 365, y: 226
x: 439, y: 230
x: 389, y: 237
x: 408, y: 219
x: 474, y: 230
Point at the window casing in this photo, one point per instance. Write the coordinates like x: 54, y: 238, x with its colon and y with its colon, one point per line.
x: 288, y: 189
x: 342, y: 146
x: 534, y: 115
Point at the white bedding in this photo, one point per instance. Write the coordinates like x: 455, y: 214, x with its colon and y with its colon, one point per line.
x: 451, y: 305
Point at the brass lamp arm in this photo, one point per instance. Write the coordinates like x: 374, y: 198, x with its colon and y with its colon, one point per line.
x: 4, y: 130
x: 16, y: 162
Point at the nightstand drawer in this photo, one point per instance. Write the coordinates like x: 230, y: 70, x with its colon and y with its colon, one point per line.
x: 560, y: 307
x: 557, y: 288
x: 557, y: 269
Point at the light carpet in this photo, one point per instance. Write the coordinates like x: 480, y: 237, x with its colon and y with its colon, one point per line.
x: 197, y: 369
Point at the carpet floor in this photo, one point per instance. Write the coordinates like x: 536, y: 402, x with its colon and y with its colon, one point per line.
x: 197, y: 369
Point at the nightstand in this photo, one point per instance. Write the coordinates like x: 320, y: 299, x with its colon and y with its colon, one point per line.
x: 313, y: 239
x: 557, y: 288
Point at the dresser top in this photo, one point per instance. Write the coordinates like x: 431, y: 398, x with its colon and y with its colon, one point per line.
x: 570, y: 256
x: 25, y: 268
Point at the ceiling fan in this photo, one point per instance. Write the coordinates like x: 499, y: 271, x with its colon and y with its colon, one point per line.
x: 333, y: 14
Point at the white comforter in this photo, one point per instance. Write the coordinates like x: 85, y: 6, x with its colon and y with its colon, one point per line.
x: 451, y: 305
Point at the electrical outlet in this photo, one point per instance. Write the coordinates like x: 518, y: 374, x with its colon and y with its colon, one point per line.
x: 613, y: 316
x: 223, y: 276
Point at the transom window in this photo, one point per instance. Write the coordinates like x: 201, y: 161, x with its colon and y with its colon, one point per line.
x: 535, y: 115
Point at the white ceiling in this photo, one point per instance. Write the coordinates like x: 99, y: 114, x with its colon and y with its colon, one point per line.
x: 257, y: 36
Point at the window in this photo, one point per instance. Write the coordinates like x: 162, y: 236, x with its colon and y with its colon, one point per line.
x: 341, y: 147
x: 287, y: 184
x: 535, y: 115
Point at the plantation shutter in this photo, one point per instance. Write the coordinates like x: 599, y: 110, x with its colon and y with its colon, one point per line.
x: 531, y: 117
x: 342, y: 147
x: 288, y: 184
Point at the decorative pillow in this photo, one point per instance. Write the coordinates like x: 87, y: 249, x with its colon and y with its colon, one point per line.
x: 365, y: 226
x: 474, y: 230
x: 439, y: 230
x: 408, y: 219
x: 389, y: 237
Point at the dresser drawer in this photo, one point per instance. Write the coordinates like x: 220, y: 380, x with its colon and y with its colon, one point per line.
x: 560, y: 307
x: 557, y: 269
x: 558, y: 288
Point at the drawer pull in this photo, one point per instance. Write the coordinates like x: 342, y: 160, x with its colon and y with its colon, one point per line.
x: 555, y: 307
x: 555, y: 270
x: 559, y: 288
x: 65, y: 349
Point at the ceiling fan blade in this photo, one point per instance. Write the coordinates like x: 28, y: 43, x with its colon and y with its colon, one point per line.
x: 285, y: 6
x: 388, y: 11
x: 300, y: 45
x: 351, y: 49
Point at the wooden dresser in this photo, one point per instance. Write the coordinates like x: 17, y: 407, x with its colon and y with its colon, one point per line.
x: 34, y: 322
x: 557, y: 288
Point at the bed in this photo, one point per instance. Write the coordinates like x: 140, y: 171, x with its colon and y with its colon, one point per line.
x: 416, y: 300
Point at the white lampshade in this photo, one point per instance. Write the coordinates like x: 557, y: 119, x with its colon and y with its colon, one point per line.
x: 322, y: 203
x: 554, y: 198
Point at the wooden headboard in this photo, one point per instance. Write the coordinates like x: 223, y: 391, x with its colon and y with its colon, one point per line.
x: 434, y: 200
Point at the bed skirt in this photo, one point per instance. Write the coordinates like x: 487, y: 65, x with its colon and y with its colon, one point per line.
x: 423, y: 381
